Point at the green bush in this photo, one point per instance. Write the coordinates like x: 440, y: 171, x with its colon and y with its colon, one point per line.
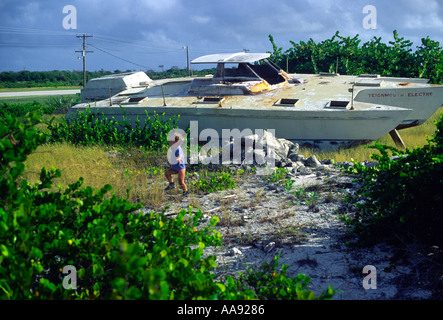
x: 116, y: 250
x: 215, y: 181
x: 402, y: 197
x: 51, y: 105
x: 273, y: 285
x: 21, y: 109
x: 88, y: 128
x: 347, y: 55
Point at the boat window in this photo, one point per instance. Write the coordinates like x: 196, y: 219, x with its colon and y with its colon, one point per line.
x: 248, y: 72
x: 329, y: 74
x: 285, y: 102
x: 366, y: 75
x: 369, y: 83
x: 338, y: 104
x: 268, y: 73
x: 135, y: 99
x: 213, y: 99
x: 235, y: 73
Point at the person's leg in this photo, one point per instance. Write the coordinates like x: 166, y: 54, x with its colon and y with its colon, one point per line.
x: 181, y: 181
x: 168, y: 175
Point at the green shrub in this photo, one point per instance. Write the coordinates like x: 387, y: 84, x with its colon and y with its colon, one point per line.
x: 215, y: 181
x: 51, y: 105
x: 273, y: 285
x: 21, y: 109
x: 402, y: 197
x: 278, y: 175
x: 88, y: 128
x: 345, y: 55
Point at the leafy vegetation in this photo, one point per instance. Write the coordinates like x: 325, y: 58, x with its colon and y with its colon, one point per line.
x: 402, y: 197
x: 345, y: 55
x: 278, y: 175
x: 88, y: 128
x: 215, y: 181
x: 271, y: 284
x: 55, y: 104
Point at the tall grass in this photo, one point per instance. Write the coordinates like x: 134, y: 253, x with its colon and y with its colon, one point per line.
x: 133, y: 170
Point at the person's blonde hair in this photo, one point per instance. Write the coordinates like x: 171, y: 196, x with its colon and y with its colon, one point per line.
x: 178, y: 137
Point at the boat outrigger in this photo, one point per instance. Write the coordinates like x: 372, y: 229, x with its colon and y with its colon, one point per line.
x: 248, y: 91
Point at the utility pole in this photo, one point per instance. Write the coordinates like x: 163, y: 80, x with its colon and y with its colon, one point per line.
x: 187, y: 58
x: 84, y: 52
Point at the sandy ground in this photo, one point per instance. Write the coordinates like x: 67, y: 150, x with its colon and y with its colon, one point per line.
x: 261, y: 219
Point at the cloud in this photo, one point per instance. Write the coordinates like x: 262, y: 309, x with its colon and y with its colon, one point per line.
x: 153, y: 32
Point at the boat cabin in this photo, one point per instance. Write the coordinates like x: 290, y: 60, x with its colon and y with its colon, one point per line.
x: 239, y: 74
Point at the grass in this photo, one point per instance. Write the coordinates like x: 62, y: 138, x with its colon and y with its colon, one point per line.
x: 123, y: 170
x: 42, y: 99
x: 412, y: 138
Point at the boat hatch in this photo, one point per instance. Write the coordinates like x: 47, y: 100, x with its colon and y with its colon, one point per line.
x: 368, y: 75
x: 212, y: 100
x: 135, y: 99
x: 335, y: 104
x: 132, y: 91
x: 285, y: 102
x: 328, y: 74
x: 369, y: 83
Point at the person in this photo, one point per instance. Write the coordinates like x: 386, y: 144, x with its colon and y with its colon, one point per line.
x: 178, y: 165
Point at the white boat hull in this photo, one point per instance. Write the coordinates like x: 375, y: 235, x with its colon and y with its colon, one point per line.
x: 326, y: 129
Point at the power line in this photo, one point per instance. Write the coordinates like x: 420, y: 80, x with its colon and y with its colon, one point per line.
x: 39, y: 32
x: 136, y: 64
x: 33, y: 44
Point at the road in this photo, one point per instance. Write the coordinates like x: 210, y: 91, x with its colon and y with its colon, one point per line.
x: 38, y: 93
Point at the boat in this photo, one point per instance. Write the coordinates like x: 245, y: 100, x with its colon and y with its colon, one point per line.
x: 249, y: 92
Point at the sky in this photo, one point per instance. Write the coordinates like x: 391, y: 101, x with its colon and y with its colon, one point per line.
x: 43, y: 35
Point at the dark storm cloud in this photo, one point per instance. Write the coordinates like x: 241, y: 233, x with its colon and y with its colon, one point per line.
x: 151, y: 32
